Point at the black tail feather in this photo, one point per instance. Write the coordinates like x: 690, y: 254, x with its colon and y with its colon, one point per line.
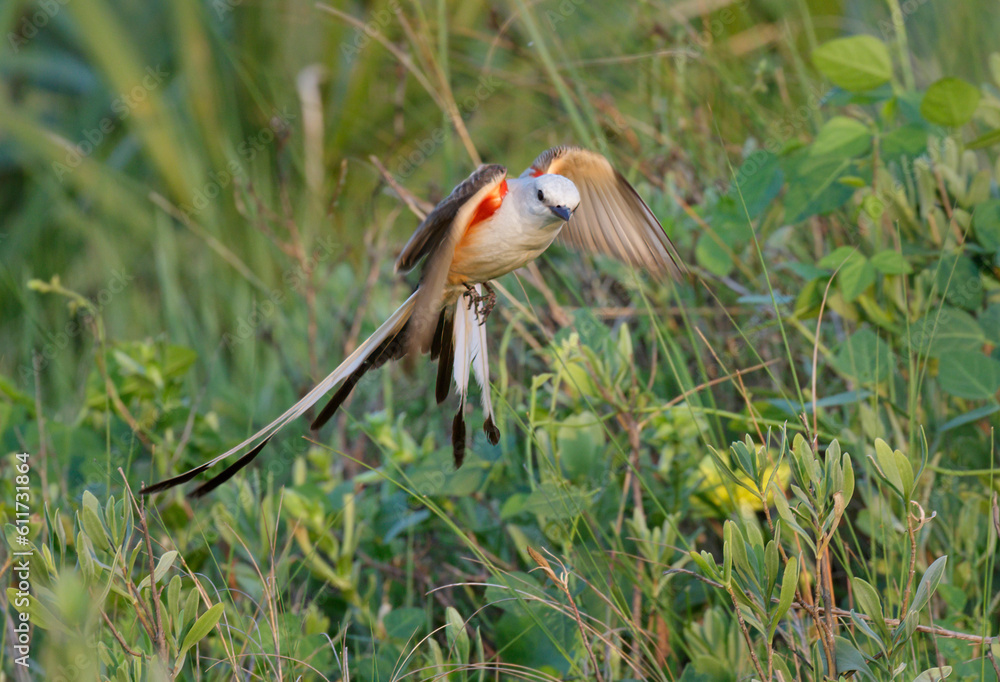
x: 458, y: 437
x: 230, y: 471
x: 333, y: 404
x: 491, y: 430
x: 446, y: 360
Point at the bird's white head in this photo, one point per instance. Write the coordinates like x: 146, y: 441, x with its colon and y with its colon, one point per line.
x: 552, y: 196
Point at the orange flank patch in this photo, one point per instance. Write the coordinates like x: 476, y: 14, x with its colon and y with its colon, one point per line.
x: 489, y: 205
x: 535, y: 172
x: 484, y: 211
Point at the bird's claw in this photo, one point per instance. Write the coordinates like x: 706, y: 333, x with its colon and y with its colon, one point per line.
x: 483, y: 302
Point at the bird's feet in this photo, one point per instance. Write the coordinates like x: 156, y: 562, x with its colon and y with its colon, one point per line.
x: 483, y: 302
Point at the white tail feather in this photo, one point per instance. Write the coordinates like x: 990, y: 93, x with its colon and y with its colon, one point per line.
x: 463, y: 336
x: 481, y: 366
x: 470, y: 353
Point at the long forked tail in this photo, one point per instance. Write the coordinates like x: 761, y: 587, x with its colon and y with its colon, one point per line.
x: 470, y: 353
x: 387, y: 343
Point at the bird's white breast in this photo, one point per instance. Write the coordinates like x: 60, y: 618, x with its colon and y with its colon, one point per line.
x: 507, y: 240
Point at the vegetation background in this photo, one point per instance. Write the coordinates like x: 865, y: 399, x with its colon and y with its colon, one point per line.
x: 781, y: 468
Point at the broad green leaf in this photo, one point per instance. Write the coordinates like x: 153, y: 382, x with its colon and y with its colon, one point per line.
x: 888, y: 465
x: 841, y: 136
x: 855, y: 277
x: 950, y: 102
x: 945, y: 331
x: 959, y: 279
x: 555, y: 501
x: 865, y: 357
x: 857, y: 63
x: 986, y: 224
x: 405, y: 623
x: 990, y: 323
x: 712, y: 256
x: 909, y: 140
x: 758, y: 181
x: 839, y: 257
x: 891, y: 262
x: 868, y: 601
x: 814, y: 186
x: 934, y: 674
x: 969, y: 374
x: 928, y: 583
x: 201, y: 627
x: 849, y: 658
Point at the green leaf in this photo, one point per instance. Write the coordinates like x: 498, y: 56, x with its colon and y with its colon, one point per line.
x: 839, y: 257
x: 857, y: 63
x: 814, y: 187
x: 950, y: 102
x: 842, y: 137
x: 458, y: 638
x: 928, y: 583
x: 934, y: 674
x: 986, y: 224
x: 958, y: 277
x: 986, y: 140
x: 909, y: 140
x: 849, y: 658
x: 891, y: 262
x: 789, y: 581
x: 865, y: 357
x: 945, y: 331
x: 969, y: 374
x: 90, y: 519
x: 555, y: 501
x: 855, y: 277
x: 162, y: 566
x: 888, y: 464
x: 713, y: 256
x: 868, y: 601
x: 405, y: 624
x: 201, y: 627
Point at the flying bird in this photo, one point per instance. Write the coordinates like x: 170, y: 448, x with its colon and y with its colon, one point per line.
x: 488, y: 226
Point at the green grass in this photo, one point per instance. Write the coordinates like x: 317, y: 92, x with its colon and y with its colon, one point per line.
x: 194, y: 232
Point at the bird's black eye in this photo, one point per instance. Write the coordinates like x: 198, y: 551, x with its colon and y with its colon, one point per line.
x: 541, y: 197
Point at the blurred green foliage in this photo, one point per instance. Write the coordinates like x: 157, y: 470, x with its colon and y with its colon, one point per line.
x: 195, y: 226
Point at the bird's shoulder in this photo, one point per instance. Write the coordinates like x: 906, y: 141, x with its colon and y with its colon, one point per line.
x: 436, y: 225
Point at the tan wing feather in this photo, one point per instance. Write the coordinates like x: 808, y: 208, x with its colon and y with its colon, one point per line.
x: 612, y: 218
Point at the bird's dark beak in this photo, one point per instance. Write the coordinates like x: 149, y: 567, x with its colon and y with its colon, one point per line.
x: 561, y: 211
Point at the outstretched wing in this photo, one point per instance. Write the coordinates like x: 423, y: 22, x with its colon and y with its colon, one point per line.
x: 438, y: 236
x: 612, y: 218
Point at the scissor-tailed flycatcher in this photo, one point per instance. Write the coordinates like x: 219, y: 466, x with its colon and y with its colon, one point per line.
x: 488, y: 226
